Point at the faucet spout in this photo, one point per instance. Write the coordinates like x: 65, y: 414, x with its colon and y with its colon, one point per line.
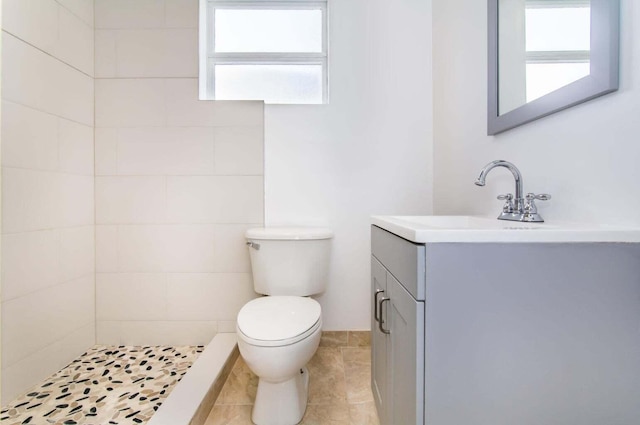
x: 515, y: 208
x: 480, y: 181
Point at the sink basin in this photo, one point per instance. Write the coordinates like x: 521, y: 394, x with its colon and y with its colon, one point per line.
x: 468, y: 228
x: 467, y: 222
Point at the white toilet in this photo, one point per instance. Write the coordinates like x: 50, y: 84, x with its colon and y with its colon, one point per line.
x: 278, y: 334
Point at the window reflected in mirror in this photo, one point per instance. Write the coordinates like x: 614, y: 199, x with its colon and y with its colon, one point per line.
x: 543, y: 45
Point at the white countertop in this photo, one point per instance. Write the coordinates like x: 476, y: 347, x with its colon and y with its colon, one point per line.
x: 423, y: 229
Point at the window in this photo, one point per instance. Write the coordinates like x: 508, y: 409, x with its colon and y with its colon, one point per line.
x: 268, y: 50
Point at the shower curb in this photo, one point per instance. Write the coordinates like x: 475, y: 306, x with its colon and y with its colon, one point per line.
x: 194, y: 396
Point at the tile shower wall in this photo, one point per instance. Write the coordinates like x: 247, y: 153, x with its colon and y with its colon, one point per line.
x: 178, y: 181
x: 47, y: 188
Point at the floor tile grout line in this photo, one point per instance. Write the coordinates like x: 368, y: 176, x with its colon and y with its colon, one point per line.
x: 360, y: 406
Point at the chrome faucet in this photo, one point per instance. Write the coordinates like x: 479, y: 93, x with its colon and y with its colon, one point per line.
x: 519, y: 208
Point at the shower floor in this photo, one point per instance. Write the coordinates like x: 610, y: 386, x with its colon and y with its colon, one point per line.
x: 117, y: 385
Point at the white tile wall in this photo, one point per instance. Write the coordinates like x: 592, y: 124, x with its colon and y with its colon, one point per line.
x: 189, y: 248
x: 38, y: 366
x: 61, y: 29
x: 106, y: 151
x: 239, y: 150
x: 230, y: 248
x: 74, y: 205
x: 156, y: 53
x: 48, y: 261
x: 130, y: 103
x: 156, y: 332
x: 216, y: 199
x: 83, y: 9
x: 76, y: 252
x: 226, y: 326
x: 105, y: 58
x: 166, y: 248
x: 225, y: 294
x: 181, y: 14
x: 44, y: 317
x: 40, y: 81
x: 131, y: 199
x: 184, y: 108
x: 28, y: 200
x: 29, y: 138
x: 158, y: 102
x: 129, y: 14
x: 131, y: 296
x: 141, y: 248
x: 34, y: 21
x: 106, y: 249
x: 30, y: 262
x: 180, y: 180
x: 105, y: 61
x: 76, y: 343
x: 35, y: 199
x: 166, y: 151
x: 75, y: 147
x: 75, y: 41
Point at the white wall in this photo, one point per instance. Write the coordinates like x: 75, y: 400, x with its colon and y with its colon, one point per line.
x: 178, y: 181
x: 47, y: 188
x: 367, y: 152
x: 586, y: 156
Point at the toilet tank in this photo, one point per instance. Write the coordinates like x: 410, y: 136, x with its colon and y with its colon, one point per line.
x: 289, y: 260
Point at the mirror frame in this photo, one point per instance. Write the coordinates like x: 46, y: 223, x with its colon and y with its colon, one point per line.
x: 603, y: 78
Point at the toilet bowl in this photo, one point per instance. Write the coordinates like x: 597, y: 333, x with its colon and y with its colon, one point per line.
x: 277, y: 336
x: 279, y: 333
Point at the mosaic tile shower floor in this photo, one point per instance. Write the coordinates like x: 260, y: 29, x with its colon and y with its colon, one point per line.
x: 116, y: 385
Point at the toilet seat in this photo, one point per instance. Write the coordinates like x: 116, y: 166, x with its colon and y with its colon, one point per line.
x: 278, y: 320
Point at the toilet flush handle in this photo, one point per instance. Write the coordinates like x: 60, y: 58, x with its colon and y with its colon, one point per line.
x: 253, y: 245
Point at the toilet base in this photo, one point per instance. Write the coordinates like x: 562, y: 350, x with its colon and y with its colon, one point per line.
x: 281, y: 403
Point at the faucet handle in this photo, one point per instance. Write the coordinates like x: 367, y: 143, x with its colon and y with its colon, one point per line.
x: 541, y: 197
x: 530, y: 209
x: 532, y: 197
x: 508, y: 205
x: 530, y: 205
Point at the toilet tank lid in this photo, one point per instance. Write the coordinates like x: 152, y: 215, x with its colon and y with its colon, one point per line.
x: 289, y: 233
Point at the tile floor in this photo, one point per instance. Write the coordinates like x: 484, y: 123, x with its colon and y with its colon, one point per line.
x: 339, y: 389
x: 117, y: 385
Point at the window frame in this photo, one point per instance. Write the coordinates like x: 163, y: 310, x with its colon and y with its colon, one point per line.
x: 209, y: 58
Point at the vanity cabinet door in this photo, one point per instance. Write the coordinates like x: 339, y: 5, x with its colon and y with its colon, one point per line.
x: 379, y: 341
x: 406, y: 355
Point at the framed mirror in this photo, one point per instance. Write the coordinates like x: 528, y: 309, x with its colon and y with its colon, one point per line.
x: 548, y: 55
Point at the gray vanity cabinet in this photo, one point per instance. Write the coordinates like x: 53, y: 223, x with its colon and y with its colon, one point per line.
x: 378, y: 341
x: 397, y: 330
x: 406, y: 355
x: 505, y: 333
